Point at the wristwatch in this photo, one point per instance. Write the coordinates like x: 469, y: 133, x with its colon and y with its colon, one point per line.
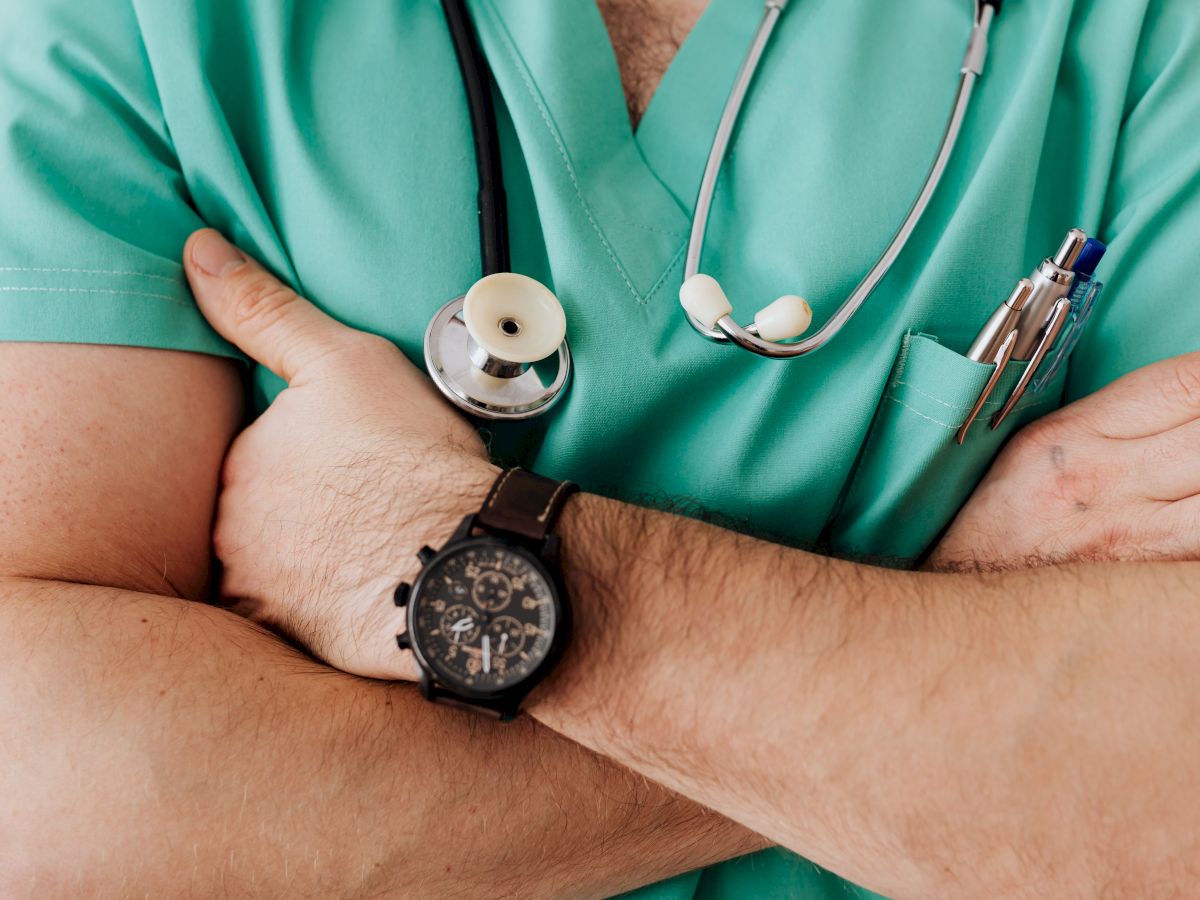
x: 488, y: 615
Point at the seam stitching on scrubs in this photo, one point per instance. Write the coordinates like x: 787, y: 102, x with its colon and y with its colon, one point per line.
x: 91, y: 272
x: 562, y: 150
x: 675, y: 233
x: 912, y: 387
x: 114, y: 293
x: 654, y: 288
x: 947, y: 425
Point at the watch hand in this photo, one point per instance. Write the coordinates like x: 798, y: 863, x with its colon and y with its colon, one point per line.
x: 462, y: 625
x: 487, y: 654
x: 503, y: 641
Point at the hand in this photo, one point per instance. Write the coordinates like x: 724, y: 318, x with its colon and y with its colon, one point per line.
x: 327, y: 497
x: 1114, y: 476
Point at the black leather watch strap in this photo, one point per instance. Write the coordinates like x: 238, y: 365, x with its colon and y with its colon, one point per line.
x: 524, y: 505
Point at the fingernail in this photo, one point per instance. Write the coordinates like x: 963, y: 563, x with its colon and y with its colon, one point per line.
x: 214, y: 255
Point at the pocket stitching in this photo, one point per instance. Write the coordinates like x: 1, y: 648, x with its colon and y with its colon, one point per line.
x: 947, y: 425
x: 917, y: 390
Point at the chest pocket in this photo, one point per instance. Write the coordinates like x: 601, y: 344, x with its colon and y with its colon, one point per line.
x: 912, y: 476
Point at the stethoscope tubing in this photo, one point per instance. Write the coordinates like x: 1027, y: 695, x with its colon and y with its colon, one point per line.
x: 491, y: 199
x: 727, y: 329
x: 492, y: 204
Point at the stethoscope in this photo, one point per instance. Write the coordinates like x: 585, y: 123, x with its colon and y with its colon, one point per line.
x: 489, y: 351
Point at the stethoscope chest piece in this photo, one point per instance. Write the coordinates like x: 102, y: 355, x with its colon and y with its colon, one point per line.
x: 480, y: 348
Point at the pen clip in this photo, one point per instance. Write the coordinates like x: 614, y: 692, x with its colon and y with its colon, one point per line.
x: 1083, y: 301
x: 1049, y: 335
x: 1000, y: 360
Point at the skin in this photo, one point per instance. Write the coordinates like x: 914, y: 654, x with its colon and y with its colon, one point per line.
x: 181, y: 750
x: 645, y: 36
x: 1062, y: 698
x: 1114, y: 474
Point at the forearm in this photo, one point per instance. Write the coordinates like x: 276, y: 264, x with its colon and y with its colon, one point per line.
x: 175, y: 748
x: 926, y: 735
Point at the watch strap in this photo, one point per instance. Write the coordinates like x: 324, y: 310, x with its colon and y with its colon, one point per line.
x: 524, y: 505
x: 505, y: 708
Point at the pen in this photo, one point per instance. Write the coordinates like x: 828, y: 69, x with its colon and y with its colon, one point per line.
x: 1083, y: 299
x: 994, y: 345
x: 1002, y: 321
x: 1028, y: 325
x: 1001, y: 355
x: 1070, y: 310
x: 1052, y: 281
x: 1046, y: 335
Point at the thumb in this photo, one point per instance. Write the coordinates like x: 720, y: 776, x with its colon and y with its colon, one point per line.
x: 252, y: 309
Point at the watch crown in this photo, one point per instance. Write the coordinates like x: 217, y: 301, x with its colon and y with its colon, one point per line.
x: 402, y: 641
x: 401, y: 595
x: 425, y: 554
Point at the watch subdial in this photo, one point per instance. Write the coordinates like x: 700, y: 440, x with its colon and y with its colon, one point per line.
x: 492, y: 591
x: 460, y: 624
x: 507, y: 636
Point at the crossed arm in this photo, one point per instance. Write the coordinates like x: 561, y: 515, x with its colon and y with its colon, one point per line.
x: 1027, y: 734
x: 155, y: 746
x: 1020, y: 733
x: 926, y: 735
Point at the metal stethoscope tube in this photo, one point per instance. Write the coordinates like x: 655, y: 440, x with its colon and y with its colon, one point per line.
x: 485, y: 369
x: 726, y: 328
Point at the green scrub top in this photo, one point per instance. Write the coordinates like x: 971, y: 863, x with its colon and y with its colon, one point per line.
x: 331, y: 140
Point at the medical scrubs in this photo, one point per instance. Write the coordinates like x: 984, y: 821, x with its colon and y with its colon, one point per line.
x: 331, y: 141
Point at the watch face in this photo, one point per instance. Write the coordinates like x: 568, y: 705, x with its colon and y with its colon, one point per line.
x: 483, y: 616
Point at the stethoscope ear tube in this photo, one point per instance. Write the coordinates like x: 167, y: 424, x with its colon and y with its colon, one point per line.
x: 493, y: 205
x: 726, y: 328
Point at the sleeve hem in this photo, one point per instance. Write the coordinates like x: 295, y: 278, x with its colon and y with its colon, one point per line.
x: 146, y: 312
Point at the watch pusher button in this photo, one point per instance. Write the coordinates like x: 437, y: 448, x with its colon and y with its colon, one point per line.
x: 401, y: 595
x: 402, y: 641
x: 425, y: 554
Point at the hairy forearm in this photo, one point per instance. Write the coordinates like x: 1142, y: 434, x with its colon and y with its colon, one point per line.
x: 1032, y: 733
x: 155, y: 746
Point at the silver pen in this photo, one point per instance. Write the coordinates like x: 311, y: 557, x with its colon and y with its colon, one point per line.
x: 994, y: 344
x: 1052, y: 281
x: 1026, y: 326
x: 1002, y: 321
x: 1046, y: 336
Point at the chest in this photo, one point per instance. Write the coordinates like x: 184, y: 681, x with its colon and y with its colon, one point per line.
x: 646, y: 35
x: 352, y: 174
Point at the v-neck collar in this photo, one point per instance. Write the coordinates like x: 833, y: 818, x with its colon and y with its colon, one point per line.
x: 555, y: 66
x: 677, y: 129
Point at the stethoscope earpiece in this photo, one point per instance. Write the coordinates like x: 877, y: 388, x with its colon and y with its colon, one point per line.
x: 784, y: 319
x: 705, y: 301
x: 775, y: 327
x: 480, y: 348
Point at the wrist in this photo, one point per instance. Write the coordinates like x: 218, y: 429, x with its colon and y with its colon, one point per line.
x: 486, y: 617
x: 609, y: 561
x: 474, y: 480
x: 416, y: 508
x: 452, y: 489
